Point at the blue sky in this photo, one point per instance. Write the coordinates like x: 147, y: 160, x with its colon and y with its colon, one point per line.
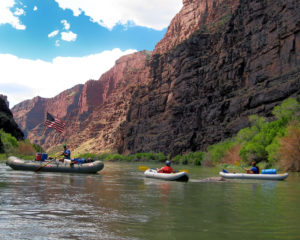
x: 47, y: 46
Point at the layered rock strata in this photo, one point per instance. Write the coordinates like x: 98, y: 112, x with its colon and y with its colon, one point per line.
x: 203, y: 91
x: 92, y: 111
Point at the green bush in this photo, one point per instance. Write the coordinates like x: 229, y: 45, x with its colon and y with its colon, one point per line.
x: 3, y: 157
x: 288, y: 110
x: 10, y: 143
x: 217, y: 151
x: 38, y: 148
x: 261, y: 140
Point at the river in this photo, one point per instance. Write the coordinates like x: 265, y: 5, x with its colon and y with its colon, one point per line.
x: 119, y: 203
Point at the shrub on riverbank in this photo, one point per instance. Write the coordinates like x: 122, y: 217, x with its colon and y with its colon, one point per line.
x: 289, y: 148
x: 23, y: 149
x: 271, y: 142
x: 194, y: 158
x: 138, y: 157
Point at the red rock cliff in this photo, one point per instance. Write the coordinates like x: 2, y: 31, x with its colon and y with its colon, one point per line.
x: 195, y: 15
x: 91, y: 110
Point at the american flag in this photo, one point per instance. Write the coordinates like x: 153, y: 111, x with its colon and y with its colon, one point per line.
x: 52, y: 122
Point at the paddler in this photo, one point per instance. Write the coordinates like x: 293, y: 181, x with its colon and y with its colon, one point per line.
x: 166, y: 169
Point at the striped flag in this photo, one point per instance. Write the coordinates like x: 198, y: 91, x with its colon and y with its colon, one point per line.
x: 52, y: 122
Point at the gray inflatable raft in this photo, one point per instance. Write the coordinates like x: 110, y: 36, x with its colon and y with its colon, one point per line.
x: 53, y: 166
x: 254, y: 176
x: 180, y: 176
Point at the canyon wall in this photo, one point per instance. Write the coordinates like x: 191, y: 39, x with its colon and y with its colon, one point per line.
x: 219, y: 62
x: 92, y: 111
x: 203, y: 91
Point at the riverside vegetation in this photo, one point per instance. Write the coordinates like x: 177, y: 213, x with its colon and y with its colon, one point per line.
x: 273, y: 143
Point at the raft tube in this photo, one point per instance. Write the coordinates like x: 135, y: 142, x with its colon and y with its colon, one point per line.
x: 254, y: 176
x: 53, y: 166
x: 180, y: 176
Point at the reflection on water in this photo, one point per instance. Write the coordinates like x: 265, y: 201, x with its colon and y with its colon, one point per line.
x: 119, y: 203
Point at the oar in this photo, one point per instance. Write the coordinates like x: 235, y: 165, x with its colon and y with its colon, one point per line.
x: 239, y: 165
x: 44, y: 165
x: 144, y: 168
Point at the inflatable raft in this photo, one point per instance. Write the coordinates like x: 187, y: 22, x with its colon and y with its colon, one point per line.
x: 254, y: 176
x: 180, y: 176
x: 53, y: 166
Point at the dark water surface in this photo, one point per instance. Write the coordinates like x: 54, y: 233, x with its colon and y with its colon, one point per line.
x: 119, y: 203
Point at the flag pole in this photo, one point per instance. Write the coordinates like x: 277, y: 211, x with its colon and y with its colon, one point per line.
x: 45, y: 127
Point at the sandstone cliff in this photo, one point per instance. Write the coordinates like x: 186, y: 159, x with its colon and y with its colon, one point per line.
x: 203, y: 90
x: 195, y: 15
x: 92, y: 111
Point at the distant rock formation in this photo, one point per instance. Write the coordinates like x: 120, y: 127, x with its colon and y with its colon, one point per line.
x: 93, y: 111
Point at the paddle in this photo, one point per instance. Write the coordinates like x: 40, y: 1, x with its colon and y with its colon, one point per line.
x: 144, y: 168
x: 239, y: 165
x: 44, y: 165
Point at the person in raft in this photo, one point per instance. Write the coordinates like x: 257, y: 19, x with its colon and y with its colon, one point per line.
x: 166, y: 169
x: 254, y: 169
x: 66, y: 153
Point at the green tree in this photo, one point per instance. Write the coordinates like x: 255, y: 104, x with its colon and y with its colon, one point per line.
x: 10, y: 143
x: 288, y: 110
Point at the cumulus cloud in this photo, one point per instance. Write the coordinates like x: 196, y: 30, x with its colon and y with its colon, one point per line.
x: 155, y: 14
x: 9, y: 17
x: 66, y: 24
x: 47, y: 79
x: 68, y: 36
x: 53, y: 34
x: 19, y: 12
x: 35, y: 8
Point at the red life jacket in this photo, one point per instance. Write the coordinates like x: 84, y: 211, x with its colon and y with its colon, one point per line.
x: 166, y: 169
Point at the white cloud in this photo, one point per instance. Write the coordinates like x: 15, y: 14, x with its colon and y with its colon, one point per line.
x: 8, y: 17
x: 53, y: 34
x: 35, y: 8
x: 47, y: 79
x: 66, y: 24
x: 57, y: 43
x: 155, y: 14
x: 68, y: 36
x: 19, y: 12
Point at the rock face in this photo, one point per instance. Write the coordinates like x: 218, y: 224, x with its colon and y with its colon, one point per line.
x: 195, y: 15
x: 92, y: 112
x: 203, y: 91
x: 7, y: 122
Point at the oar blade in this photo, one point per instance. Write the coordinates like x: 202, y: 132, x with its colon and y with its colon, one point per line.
x: 237, y: 163
x: 184, y: 170
x: 143, y: 168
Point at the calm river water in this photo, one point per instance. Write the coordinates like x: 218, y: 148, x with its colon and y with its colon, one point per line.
x: 119, y: 203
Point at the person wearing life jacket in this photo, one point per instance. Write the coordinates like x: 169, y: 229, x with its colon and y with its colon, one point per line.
x: 166, y: 169
x: 254, y: 169
x: 67, y: 155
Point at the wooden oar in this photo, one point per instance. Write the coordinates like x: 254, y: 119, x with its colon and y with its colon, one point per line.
x: 144, y: 168
x: 44, y: 165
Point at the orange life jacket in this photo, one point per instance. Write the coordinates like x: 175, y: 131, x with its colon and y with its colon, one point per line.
x: 166, y: 169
